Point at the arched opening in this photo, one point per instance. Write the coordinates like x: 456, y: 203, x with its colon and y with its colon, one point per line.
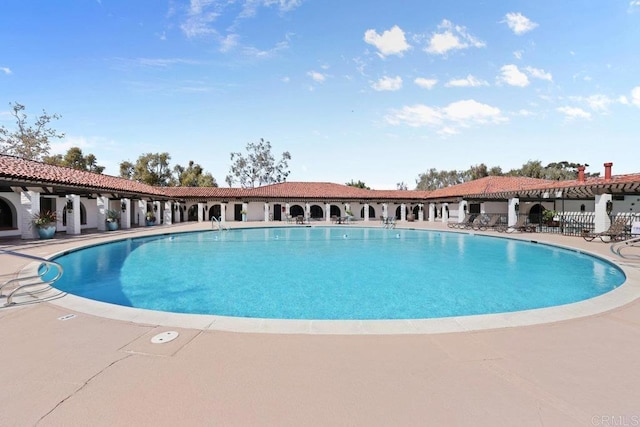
x: 215, y: 211
x: 535, y: 214
x: 335, y: 211
x: 7, y: 214
x: 399, y: 211
x: 317, y: 212
x: 296, y: 210
x: 192, y: 213
x: 372, y: 212
x: 415, y: 211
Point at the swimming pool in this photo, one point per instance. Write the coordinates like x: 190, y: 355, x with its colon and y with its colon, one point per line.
x: 334, y: 273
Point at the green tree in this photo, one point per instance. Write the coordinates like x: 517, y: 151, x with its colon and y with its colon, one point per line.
x: 358, y: 184
x: 434, y: 179
x: 258, y: 167
x: 74, y: 158
x: 193, y: 176
x: 150, y: 168
x: 28, y: 141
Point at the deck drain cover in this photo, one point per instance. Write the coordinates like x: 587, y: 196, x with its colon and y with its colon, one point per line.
x: 164, y: 337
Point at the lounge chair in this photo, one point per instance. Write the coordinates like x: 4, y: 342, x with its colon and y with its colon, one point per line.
x: 520, y: 225
x: 485, y: 224
x: 617, y: 231
x: 466, y: 222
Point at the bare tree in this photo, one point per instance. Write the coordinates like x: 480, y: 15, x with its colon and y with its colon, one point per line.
x: 28, y: 142
x: 259, y: 167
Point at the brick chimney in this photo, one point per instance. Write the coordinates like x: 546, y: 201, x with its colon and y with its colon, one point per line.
x: 581, y: 173
x: 607, y: 171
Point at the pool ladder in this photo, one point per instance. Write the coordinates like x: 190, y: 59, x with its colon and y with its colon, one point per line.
x: 19, y: 285
x: 221, y: 227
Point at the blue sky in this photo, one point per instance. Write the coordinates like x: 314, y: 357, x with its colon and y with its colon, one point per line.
x: 376, y: 91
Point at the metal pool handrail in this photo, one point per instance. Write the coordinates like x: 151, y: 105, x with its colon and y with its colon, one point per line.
x: 220, y: 226
x: 33, y: 280
x: 617, y: 248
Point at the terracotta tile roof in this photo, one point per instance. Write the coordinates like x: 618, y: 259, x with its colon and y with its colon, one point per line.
x: 490, y: 184
x: 17, y: 169
x: 295, y: 190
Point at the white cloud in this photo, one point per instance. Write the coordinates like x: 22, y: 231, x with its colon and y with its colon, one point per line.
x: 390, y: 42
x: 623, y: 100
x: 416, y: 116
x: 451, y: 37
x: 229, y: 42
x: 635, y: 96
x: 388, y: 83
x: 599, y: 102
x: 511, y: 75
x: 469, y: 81
x: 574, y: 113
x: 518, y: 23
x: 447, y: 119
x: 5, y: 70
x: 518, y: 54
x: 425, y: 83
x: 317, y: 77
x: 470, y: 111
x: 539, y: 74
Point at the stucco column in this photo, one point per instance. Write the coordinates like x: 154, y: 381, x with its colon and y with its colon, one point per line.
x: 73, y: 216
x: 445, y: 212
x: 157, y: 211
x: 141, y: 212
x: 201, y: 211
x: 307, y: 210
x: 125, y: 215
x: 29, y: 206
x: 266, y: 212
x: 432, y: 212
x: 366, y: 211
x: 385, y: 210
x: 102, y: 202
x: 403, y: 212
x: 287, y: 210
x: 166, y: 213
x: 420, y: 212
x: 462, y: 212
x: 176, y: 213
x: 327, y: 212
x: 512, y: 210
x: 602, y: 222
x: 223, y: 212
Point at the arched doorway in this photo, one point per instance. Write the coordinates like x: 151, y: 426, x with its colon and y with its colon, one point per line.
x: 317, y: 212
x: 7, y: 214
x: 535, y: 213
x: 399, y: 211
x: 334, y: 211
x: 296, y: 210
x: 215, y: 211
x: 192, y: 213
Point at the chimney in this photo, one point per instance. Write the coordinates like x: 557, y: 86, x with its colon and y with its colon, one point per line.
x: 607, y: 171
x: 581, y: 173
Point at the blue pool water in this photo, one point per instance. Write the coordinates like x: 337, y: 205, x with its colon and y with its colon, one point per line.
x: 334, y: 273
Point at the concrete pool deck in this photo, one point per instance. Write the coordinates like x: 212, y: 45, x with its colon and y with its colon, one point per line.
x: 93, y: 370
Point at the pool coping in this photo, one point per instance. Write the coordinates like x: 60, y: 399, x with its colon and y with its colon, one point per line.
x: 626, y: 293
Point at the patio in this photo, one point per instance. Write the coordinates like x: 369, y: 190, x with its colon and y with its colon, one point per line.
x: 98, y: 371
